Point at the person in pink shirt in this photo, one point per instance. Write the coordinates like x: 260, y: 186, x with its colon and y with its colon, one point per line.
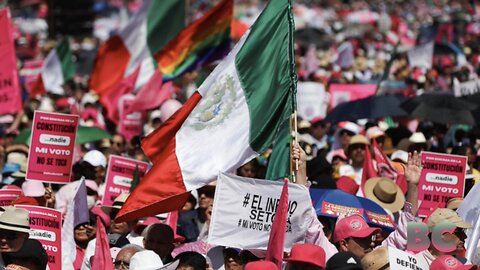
x: 397, y: 239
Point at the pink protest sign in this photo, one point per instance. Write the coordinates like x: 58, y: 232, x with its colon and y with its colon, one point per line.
x: 340, y: 93
x: 131, y: 124
x: 51, y: 148
x: 442, y: 178
x: 119, y: 176
x: 10, y: 91
x: 46, y: 226
x: 7, y: 196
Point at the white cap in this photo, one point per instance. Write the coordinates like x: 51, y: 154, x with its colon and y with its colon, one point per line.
x: 145, y: 260
x: 33, y: 188
x: 155, y: 114
x: 374, y: 132
x: 400, y: 155
x: 95, y: 158
x: 418, y: 137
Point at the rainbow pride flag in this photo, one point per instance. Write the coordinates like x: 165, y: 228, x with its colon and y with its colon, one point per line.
x: 205, y: 40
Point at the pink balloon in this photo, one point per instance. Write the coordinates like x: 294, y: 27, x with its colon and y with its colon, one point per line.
x: 168, y: 108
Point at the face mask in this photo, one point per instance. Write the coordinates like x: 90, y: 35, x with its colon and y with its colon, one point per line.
x: 91, y: 201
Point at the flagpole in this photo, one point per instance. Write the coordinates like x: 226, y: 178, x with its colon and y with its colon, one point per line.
x: 293, y: 76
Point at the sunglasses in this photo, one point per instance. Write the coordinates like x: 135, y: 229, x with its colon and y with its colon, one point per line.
x: 346, y: 132
x: 119, y: 263
x: 8, y: 235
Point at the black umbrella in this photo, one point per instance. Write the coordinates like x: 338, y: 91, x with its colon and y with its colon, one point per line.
x: 441, y: 108
x: 372, y: 107
x: 312, y: 36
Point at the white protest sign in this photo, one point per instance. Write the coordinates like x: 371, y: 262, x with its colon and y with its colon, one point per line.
x: 312, y: 100
x: 244, y: 208
x: 461, y: 89
x: 421, y: 56
x: 401, y: 260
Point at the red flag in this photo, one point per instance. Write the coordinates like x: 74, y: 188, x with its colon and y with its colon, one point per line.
x: 102, y: 259
x: 368, y: 169
x: 172, y: 220
x: 152, y: 94
x: 385, y: 168
x: 279, y: 226
x: 110, y: 98
x: 38, y: 88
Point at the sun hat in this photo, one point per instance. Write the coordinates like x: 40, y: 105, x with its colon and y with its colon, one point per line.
x: 15, y: 219
x: 447, y: 262
x: 117, y: 203
x: 307, y: 253
x: 31, y: 249
x: 358, y: 139
x: 344, y: 261
x: 443, y: 214
x: 376, y: 260
x: 385, y: 192
x: 145, y: 260
x: 95, y: 158
x: 171, y: 266
x: 261, y: 265
x: 454, y: 203
x: 352, y: 226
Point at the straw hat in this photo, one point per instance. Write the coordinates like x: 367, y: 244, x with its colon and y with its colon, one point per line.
x: 385, y: 192
x: 454, y: 203
x: 15, y: 219
x: 377, y: 259
x: 117, y: 203
x: 442, y: 214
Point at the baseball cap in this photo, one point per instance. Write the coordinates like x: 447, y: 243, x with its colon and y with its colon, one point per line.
x: 261, y: 265
x: 307, y: 253
x: 352, y: 226
x: 95, y: 158
x: 447, y: 262
x: 344, y: 261
x: 444, y: 214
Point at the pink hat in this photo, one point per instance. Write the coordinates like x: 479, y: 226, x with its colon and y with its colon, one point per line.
x: 336, y: 153
x: 347, y: 185
x: 261, y: 265
x: 352, y: 226
x: 307, y: 253
x: 91, y: 185
x: 374, y: 132
x: 13, y: 187
x: 447, y: 262
x: 33, y: 188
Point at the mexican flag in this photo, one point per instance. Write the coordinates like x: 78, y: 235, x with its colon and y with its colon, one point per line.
x: 232, y: 117
x: 148, y: 31
x: 58, y: 68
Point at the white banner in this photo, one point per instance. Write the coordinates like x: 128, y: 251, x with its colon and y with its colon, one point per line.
x: 312, y: 100
x: 244, y: 208
x: 461, y: 89
x: 401, y: 260
x: 421, y: 56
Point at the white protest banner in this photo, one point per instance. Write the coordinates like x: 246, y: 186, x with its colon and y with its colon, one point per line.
x: 401, y: 260
x: 461, y: 89
x: 244, y: 208
x: 421, y: 56
x: 312, y: 100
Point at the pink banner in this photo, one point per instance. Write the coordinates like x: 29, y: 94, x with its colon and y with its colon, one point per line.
x: 340, y: 93
x: 51, y: 148
x: 10, y: 91
x: 442, y: 178
x: 119, y: 176
x: 7, y: 196
x: 46, y: 225
x: 131, y: 124
x: 30, y: 71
